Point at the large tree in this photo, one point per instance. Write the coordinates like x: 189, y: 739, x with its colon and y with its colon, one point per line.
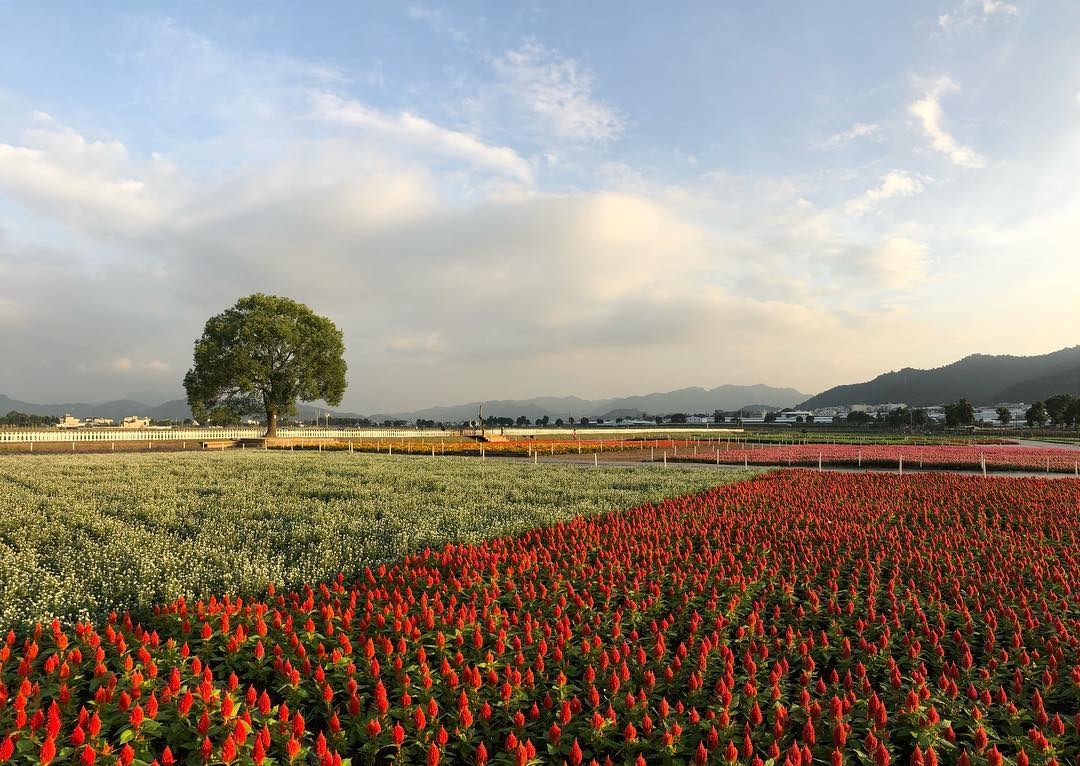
x: 264, y: 354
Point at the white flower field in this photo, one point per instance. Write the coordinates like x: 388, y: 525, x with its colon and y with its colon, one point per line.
x: 81, y: 536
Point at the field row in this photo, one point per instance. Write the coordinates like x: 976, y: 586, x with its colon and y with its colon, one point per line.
x: 795, y: 618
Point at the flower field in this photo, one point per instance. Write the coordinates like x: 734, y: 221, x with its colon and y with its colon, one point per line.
x: 84, y: 535
x: 969, y: 457
x: 796, y: 618
x: 438, y: 447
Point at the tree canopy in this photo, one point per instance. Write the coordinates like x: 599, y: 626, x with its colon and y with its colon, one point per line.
x: 263, y: 355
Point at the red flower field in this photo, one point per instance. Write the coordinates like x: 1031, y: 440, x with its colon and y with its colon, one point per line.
x: 799, y: 618
x: 969, y: 457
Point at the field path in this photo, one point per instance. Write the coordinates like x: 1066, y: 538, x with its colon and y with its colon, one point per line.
x: 1043, y: 445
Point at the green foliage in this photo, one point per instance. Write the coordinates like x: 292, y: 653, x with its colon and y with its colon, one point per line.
x: 1063, y: 410
x: 86, y: 534
x: 264, y: 354
x: 959, y: 413
x: 1036, y: 414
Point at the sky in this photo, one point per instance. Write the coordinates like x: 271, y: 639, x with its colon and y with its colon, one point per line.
x: 505, y: 200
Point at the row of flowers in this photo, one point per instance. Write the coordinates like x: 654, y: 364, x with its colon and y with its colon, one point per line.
x: 795, y: 618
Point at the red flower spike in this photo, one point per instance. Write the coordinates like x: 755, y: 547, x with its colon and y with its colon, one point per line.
x: 47, y: 752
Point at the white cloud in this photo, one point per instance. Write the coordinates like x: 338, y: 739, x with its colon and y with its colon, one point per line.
x: 11, y: 310
x: 436, y: 19
x: 127, y: 364
x: 559, y: 91
x: 855, y: 132
x: 422, y: 134
x: 928, y: 110
x: 896, y: 183
x: 897, y: 263
x: 971, y: 13
x: 91, y: 183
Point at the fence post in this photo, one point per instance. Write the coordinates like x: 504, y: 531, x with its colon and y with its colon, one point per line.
x: 595, y: 462
x: 665, y: 458
x: 901, y: 465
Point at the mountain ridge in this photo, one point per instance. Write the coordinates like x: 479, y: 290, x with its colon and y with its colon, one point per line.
x: 981, y: 378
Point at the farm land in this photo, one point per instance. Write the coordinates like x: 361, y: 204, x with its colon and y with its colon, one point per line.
x: 278, y: 607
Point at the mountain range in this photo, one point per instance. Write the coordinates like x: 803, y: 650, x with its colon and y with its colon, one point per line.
x: 980, y: 378
x: 688, y: 400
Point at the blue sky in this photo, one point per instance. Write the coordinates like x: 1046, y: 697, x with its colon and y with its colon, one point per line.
x: 506, y: 200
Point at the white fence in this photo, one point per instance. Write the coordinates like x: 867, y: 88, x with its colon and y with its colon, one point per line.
x: 200, y: 434
x: 207, y: 434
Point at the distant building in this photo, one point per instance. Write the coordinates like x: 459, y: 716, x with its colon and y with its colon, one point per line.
x: 133, y: 421
x: 791, y: 417
x: 69, y: 422
x: 99, y: 422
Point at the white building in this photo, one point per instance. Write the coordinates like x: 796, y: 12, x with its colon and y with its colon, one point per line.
x: 133, y: 421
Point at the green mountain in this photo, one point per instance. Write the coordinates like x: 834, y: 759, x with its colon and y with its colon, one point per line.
x: 980, y: 378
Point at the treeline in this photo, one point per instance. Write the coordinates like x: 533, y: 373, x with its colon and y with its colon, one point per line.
x: 24, y: 420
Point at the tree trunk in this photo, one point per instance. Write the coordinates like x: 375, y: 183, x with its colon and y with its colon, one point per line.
x: 271, y: 422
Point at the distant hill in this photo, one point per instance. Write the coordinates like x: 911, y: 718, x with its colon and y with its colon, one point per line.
x: 981, y: 378
x: 688, y: 400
